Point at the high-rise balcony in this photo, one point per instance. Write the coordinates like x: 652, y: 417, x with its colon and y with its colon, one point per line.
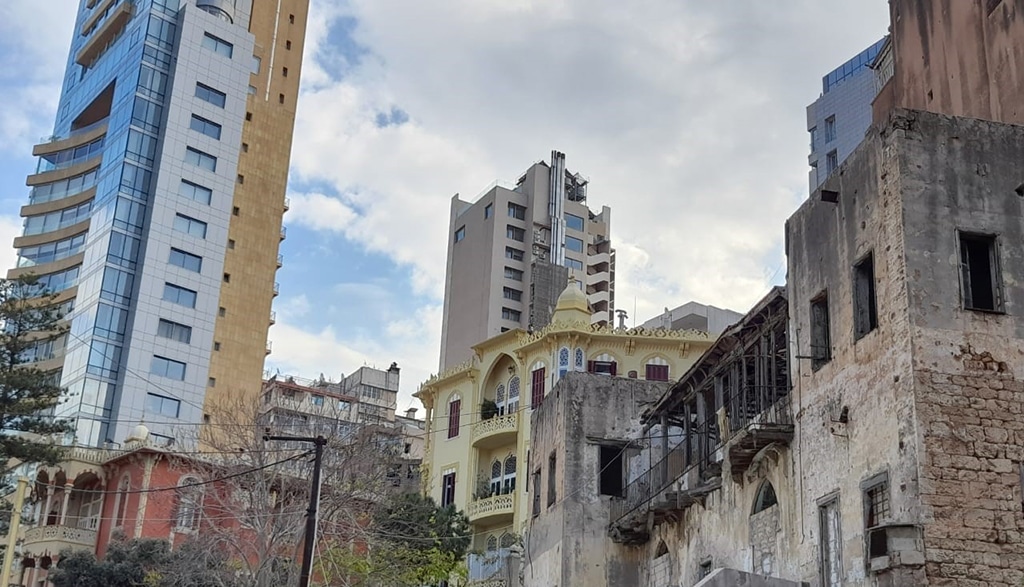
x: 287, y: 204
x: 273, y: 317
x: 284, y: 232
x: 280, y: 261
x: 492, y: 509
x: 277, y: 288
x: 496, y: 431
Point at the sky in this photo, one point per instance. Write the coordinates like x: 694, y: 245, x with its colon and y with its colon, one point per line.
x: 687, y: 116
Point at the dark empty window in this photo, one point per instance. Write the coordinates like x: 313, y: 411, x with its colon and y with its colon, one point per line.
x: 979, y: 268
x: 611, y: 470
x: 765, y: 498
x: 821, y: 346
x: 865, y: 312
x: 448, y: 489
x: 536, y: 493
x: 552, y: 492
x: 602, y: 367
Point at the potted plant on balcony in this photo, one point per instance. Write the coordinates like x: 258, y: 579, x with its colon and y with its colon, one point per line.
x: 483, y: 488
x: 488, y: 409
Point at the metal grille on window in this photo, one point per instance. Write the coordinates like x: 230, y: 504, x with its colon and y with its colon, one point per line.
x: 878, y: 504
x: 580, y: 362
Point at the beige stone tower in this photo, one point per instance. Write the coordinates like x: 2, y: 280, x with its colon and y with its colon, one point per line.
x: 256, y: 230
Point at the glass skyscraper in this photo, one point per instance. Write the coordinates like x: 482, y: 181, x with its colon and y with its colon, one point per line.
x: 155, y: 210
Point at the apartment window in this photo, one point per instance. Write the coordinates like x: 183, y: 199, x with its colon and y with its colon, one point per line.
x: 454, y: 412
x: 865, y: 312
x: 117, y: 286
x: 980, y: 279
x: 831, y: 543
x: 516, y: 211
x: 514, y: 254
x: 316, y: 400
x: 513, y: 274
x: 179, y: 295
x: 288, y: 45
x: 227, y: 278
x: 231, y: 243
x: 448, y: 489
x: 512, y: 294
x: 211, y: 382
x: 245, y: 147
x: 537, y: 381
x: 574, y: 222
x: 573, y: 264
x: 248, y: 115
x: 168, y: 368
x: 257, y: 62
x: 831, y: 162
x: 284, y: 72
x: 611, y: 471
x: 574, y: 244
x: 194, y: 191
x: 216, y: 346
x: 552, y: 488
x: 162, y: 405
x: 241, y: 178
x: 460, y: 233
x: 830, y: 129
x: 814, y: 137
x: 217, y: 45
x: 190, y: 226
x: 207, y: 127
x: 123, y: 250
x: 488, y: 211
x: 291, y: 19
x: 510, y: 314
x: 208, y: 94
x: 110, y: 322
x: 536, y: 493
x: 821, y: 338
x: 174, y: 331
x: 235, y: 210
x: 104, y: 359
x: 515, y: 233
x: 280, y: 98
x: 200, y: 159
x: 186, y: 260
x: 222, y: 311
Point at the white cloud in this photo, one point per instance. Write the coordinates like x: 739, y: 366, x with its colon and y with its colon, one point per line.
x: 10, y: 227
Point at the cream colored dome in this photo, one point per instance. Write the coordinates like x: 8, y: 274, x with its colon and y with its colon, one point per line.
x: 138, y: 434
x: 573, y: 298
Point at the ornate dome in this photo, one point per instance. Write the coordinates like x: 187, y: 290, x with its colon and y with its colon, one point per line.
x: 138, y: 434
x: 573, y: 298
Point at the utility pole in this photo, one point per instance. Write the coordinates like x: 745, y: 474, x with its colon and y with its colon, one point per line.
x: 314, y: 500
x: 12, y: 531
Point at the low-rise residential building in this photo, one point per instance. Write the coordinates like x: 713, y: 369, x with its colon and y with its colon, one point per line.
x: 478, y: 413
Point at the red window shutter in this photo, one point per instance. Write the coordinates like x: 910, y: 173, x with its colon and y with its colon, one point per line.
x: 590, y: 366
x: 453, y: 418
x: 537, y: 389
x: 656, y: 373
x: 613, y: 370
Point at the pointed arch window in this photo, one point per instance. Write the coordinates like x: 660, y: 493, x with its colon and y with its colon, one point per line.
x: 496, y: 477
x: 121, y: 507
x: 190, y: 504
x: 513, y: 395
x: 507, y: 540
x: 509, y: 479
x: 580, y: 362
x: 499, y: 398
x: 765, y: 498
x: 563, y: 361
x: 492, y: 543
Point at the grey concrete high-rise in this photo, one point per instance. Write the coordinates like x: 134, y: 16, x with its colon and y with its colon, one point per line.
x: 512, y: 252
x: 838, y: 119
x: 139, y: 210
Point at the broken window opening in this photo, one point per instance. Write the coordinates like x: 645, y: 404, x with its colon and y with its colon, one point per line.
x: 552, y: 492
x: 865, y: 311
x: 980, y: 281
x: 765, y: 497
x: 610, y: 476
x: 821, y: 345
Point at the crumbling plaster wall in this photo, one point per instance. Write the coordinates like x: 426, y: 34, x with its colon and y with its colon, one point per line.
x: 855, y: 415
x: 568, y: 543
x: 962, y: 174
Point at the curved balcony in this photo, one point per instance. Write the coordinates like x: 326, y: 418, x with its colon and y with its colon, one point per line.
x: 497, y: 431
x: 492, y: 509
x: 53, y: 539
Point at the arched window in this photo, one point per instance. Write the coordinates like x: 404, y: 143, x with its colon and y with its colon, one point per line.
x: 538, y: 377
x: 499, y: 398
x: 765, y: 497
x: 563, y: 361
x: 603, y: 364
x: 507, y: 540
x: 513, y: 395
x: 656, y: 369
x: 496, y: 477
x: 492, y: 543
x: 121, y: 507
x: 190, y: 505
x: 580, y: 363
x: 509, y: 480
x: 454, y: 409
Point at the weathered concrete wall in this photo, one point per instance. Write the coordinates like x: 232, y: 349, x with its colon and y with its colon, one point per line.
x: 960, y: 174
x: 568, y: 544
x: 734, y: 578
x: 959, y: 58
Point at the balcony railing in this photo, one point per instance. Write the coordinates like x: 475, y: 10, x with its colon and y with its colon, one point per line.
x: 498, y: 425
x: 277, y: 288
x: 496, y: 505
x: 273, y: 317
x: 287, y: 204
x: 65, y: 534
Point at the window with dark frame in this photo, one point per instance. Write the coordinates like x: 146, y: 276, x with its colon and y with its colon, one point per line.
x: 536, y: 493
x: 656, y: 372
x: 821, y: 345
x: 603, y: 368
x: 612, y: 471
x: 537, y: 388
x: 980, y: 280
x: 552, y: 490
x: 448, y: 489
x: 877, y: 511
x: 454, y: 409
x: 865, y: 311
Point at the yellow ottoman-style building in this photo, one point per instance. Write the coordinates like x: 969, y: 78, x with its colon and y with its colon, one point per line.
x: 475, y: 448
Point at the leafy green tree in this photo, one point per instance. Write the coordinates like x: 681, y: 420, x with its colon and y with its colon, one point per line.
x: 418, y: 521
x: 146, y: 562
